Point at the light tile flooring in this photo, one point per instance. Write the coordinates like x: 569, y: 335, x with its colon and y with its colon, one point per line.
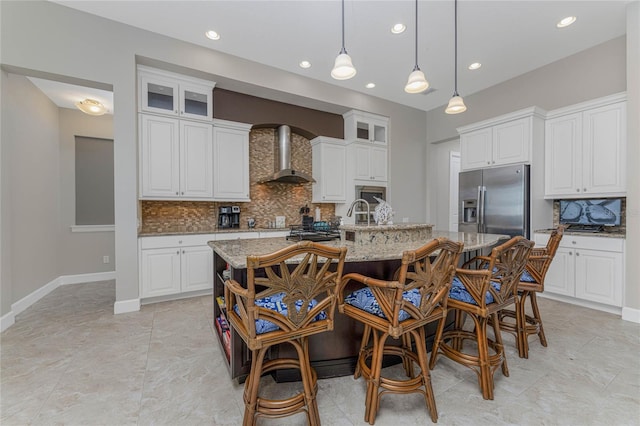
x: 68, y: 360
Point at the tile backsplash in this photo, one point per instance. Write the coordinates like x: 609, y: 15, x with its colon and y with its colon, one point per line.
x: 268, y: 200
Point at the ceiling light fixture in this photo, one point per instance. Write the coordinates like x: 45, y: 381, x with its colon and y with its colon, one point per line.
x: 370, y: 85
x: 305, y: 64
x: 398, y: 28
x: 417, y: 82
x: 456, y: 103
x: 212, y: 35
x: 565, y: 22
x: 91, y: 107
x: 475, y: 66
x: 343, y: 68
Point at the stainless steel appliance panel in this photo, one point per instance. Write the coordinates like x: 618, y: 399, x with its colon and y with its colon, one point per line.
x: 495, y: 200
x: 469, y: 186
x: 367, y: 193
x: 506, y: 200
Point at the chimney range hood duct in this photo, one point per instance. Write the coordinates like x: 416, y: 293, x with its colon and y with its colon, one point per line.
x: 284, y: 173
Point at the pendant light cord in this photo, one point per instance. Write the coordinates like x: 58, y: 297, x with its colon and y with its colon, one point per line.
x: 416, y: 67
x: 455, y: 61
x: 343, y: 49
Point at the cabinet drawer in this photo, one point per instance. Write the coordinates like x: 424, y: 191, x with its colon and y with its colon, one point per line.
x: 175, y: 241
x: 237, y: 235
x: 592, y: 243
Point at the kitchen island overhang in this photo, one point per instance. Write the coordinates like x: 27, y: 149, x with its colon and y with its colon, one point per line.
x: 332, y: 354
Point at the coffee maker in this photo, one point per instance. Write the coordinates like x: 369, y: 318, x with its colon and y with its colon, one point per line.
x: 229, y: 217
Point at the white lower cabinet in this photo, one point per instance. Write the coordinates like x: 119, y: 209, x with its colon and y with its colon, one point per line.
x: 171, y: 265
x: 587, y: 268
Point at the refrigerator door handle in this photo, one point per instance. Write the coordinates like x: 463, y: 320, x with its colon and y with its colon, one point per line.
x: 482, y: 194
x: 480, y: 209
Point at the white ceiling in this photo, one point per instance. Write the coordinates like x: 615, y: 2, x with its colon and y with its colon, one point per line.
x: 66, y: 95
x: 509, y: 38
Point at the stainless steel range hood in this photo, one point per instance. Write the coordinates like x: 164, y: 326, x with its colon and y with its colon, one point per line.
x: 284, y: 173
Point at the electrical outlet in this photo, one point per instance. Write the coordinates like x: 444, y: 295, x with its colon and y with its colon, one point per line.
x: 105, y: 259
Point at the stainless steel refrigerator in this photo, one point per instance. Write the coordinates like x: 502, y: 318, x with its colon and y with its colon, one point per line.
x: 495, y: 201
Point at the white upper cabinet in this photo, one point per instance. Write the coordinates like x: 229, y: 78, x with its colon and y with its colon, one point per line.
x: 365, y: 127
x: 329, y: 168
x: 231, y: 160
x: 176, y: 159
x: 166, y: 93
x: 508, y: 139
x: 585, y: 149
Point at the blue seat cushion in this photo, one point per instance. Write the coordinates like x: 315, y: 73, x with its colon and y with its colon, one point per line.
x: 365, y: 300
x: 459, y: 292
x: 276, y: 304
x: 526, y: 277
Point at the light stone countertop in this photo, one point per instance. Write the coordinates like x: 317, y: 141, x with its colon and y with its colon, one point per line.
x: 235, y: 252
x: 396, y: 226
x: 605, y: 234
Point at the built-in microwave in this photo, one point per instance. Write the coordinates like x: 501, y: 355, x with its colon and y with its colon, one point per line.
x: 370, y: 193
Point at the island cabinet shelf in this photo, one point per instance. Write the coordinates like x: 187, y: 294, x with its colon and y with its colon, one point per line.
x: 334, y: 353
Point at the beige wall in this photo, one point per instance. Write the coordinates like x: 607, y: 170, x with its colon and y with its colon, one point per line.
x: 632, y: 289
x: 42, y: 37
x: 81, y: 252
x: 31, y: 189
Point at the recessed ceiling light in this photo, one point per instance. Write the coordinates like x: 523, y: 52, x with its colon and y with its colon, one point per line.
x: 398, y: 28
x: 566, y: 22
x: 305, y: 64
x: 91, y: 107
x: 212, y: 35
x: 370, y: 85
x: 475, y: 66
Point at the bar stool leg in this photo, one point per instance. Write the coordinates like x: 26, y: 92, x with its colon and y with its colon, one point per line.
x: 536, y: 315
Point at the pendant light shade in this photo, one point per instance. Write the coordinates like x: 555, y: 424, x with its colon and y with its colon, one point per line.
x: 417, y: 82
x: 343, y: 68
x: 456, y: 103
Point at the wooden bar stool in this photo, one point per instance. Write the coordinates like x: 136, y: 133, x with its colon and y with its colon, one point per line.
x: 400, y: 309
x: 531, y: 282
x: 290, y: 295
x: 481, y: 293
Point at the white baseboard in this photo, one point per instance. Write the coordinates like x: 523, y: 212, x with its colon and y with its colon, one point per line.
x: 631, y: 314
x: 8, y: 319
x: 125, y: 306
x: 87, y: 278
x: 584, y: 303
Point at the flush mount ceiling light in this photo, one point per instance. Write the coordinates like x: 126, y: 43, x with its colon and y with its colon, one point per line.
x: 456, y: 103
x: 212, y: 35
x: 417, y: 82
x: 475, y: 66
x: 305, y: 64
x: 343, y: 68
x: 398, y: 28
x: 370, y: 85
x: 91, y: 107
x: 565, y: 22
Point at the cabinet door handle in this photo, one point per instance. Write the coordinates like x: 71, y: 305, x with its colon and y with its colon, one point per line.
x: 488, y: 162
x: 573, y: 242
x: 178, y: 252
x: 182, y: 251
x: 177, y: 193
x: 584, y: 189
x: 570, y: 253
x: 577, y: 254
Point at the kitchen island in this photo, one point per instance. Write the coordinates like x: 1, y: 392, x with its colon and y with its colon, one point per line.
x: 332, y: 354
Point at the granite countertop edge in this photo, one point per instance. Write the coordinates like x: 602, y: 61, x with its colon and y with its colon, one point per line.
x: 615, y: 234
x: 209, y: 231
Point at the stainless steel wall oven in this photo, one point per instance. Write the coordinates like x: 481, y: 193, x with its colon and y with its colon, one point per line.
x: 368, y: 193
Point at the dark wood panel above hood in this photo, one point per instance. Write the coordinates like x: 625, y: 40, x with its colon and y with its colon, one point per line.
x: 234, y: 106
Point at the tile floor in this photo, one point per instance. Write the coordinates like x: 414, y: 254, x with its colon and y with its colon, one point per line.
x: 68, y: 360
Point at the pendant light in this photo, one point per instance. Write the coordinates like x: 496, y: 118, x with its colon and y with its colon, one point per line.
x: 343, y: 68
x: 456, y: 103
x: 417, y: 82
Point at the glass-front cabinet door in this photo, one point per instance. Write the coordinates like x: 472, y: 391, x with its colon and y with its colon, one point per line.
x: 159, y: 96
x: 195, y: 101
